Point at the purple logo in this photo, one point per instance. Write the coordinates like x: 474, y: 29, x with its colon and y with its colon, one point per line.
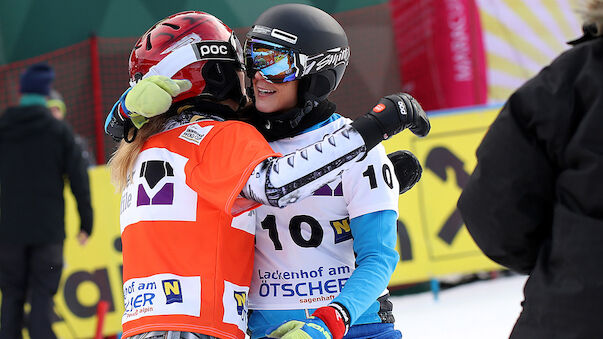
x: 327, y: 191
x: 153, y: 171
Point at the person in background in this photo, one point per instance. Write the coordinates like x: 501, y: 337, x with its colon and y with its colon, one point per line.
x: 534, y: 202
x: 37, y: 151
x: 187, y: 168
x: 57, y: 107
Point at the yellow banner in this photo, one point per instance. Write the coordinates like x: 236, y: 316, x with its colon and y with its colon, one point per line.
x: 92, y: 272
x: 432, y: 239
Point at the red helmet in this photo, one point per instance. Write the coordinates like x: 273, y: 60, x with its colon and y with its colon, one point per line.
x: 191, y: 45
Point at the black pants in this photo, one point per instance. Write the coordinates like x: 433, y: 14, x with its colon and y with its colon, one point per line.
x: 29, y: 268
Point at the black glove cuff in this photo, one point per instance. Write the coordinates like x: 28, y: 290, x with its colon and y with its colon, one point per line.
x: 369, y: 130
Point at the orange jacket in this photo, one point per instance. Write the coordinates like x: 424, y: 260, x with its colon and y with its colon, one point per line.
x: 184, y: 266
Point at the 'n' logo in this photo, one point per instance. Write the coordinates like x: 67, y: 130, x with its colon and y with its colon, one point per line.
x: 153, y: 171
x: 341, y: 229
x: 172, y: 290
x: 241, y: 300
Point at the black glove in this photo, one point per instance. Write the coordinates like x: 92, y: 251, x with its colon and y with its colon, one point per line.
x: 392, y: 114
x: 407, y: 168
x: 118, y: 122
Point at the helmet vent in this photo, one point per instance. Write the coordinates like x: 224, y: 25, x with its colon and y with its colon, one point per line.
x: 171, y: 25
x: 149, y: 46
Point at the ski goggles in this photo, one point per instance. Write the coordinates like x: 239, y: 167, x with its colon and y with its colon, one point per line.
x: 276, y: 63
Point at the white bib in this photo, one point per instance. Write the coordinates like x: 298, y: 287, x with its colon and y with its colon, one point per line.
x: 304, y: 252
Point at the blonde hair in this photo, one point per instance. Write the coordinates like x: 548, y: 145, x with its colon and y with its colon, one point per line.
x: 592, y: 13
x: 122, y: 161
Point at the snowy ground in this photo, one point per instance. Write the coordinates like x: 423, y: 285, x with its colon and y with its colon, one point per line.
x: 478, y: 310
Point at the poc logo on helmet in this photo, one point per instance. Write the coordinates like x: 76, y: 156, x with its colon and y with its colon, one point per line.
x: 213, y: 50
x: 205, y: 50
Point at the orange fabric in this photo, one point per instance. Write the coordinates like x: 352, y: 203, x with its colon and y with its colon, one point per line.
x: 208, y: 248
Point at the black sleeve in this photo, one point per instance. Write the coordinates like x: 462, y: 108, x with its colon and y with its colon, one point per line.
x: 77, y: 173
x: 508, y: 200
x: 82, y: 144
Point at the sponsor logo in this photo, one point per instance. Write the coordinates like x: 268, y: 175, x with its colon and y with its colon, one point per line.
x: 241, y: 301
x: 285, y: 36
x: 320, y: 329
x: 307, y: 286
x: 172, y: 290
x: 341, y: 230
x: 139, y: 296
x: 195, y: 133
x: 157, y: 190
x: 379, y: 108
x: 152, y: 172
x: 331, y: 58
x: 235, y: 304
x: 214, y: 50
x: 402, y: 107
x: 161, y: 294
x: 326, y: 190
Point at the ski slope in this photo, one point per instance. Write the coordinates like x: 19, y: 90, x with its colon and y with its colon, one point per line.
x: 478, y: 310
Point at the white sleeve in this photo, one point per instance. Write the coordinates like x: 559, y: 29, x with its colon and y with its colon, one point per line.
x: 371, y: 184
x: 294, y: 176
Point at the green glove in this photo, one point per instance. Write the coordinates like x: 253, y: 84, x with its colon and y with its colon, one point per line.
x: 312, y: 328
x: 138, y: 120
x: 153, y: 95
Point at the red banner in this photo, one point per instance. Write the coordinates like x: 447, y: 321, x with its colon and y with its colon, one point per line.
x: 440, y: 51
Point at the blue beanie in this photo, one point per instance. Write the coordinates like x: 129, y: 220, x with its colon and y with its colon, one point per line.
x: 37, y: 79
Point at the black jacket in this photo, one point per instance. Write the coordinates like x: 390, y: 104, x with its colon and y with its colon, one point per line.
x: 36, y: 152
x: 535, y: 200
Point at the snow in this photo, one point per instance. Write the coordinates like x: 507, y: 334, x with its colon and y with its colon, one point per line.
x: 478, y: 310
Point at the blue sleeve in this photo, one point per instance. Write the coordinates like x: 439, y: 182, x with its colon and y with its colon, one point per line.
x: 376, y: 258
x: 121, y: 102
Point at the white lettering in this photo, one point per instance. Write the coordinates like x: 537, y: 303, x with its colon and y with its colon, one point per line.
x: 213, y: 49
x: 334, y: 59
x: 402, y: 107
x: 459, y: 41
x: 126, y: 201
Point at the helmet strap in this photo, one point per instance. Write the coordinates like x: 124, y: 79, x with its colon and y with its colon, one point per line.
x: 129, y: 125
x: 221, y: 82
x: 316, y: 87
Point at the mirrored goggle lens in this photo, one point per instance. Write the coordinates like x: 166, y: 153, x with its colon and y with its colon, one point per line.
x: 276, y: 63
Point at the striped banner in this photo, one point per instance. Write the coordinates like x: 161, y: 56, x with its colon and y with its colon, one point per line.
x: 455, y: 53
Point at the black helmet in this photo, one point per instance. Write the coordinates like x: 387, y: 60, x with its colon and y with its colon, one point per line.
x: 315, y: 45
